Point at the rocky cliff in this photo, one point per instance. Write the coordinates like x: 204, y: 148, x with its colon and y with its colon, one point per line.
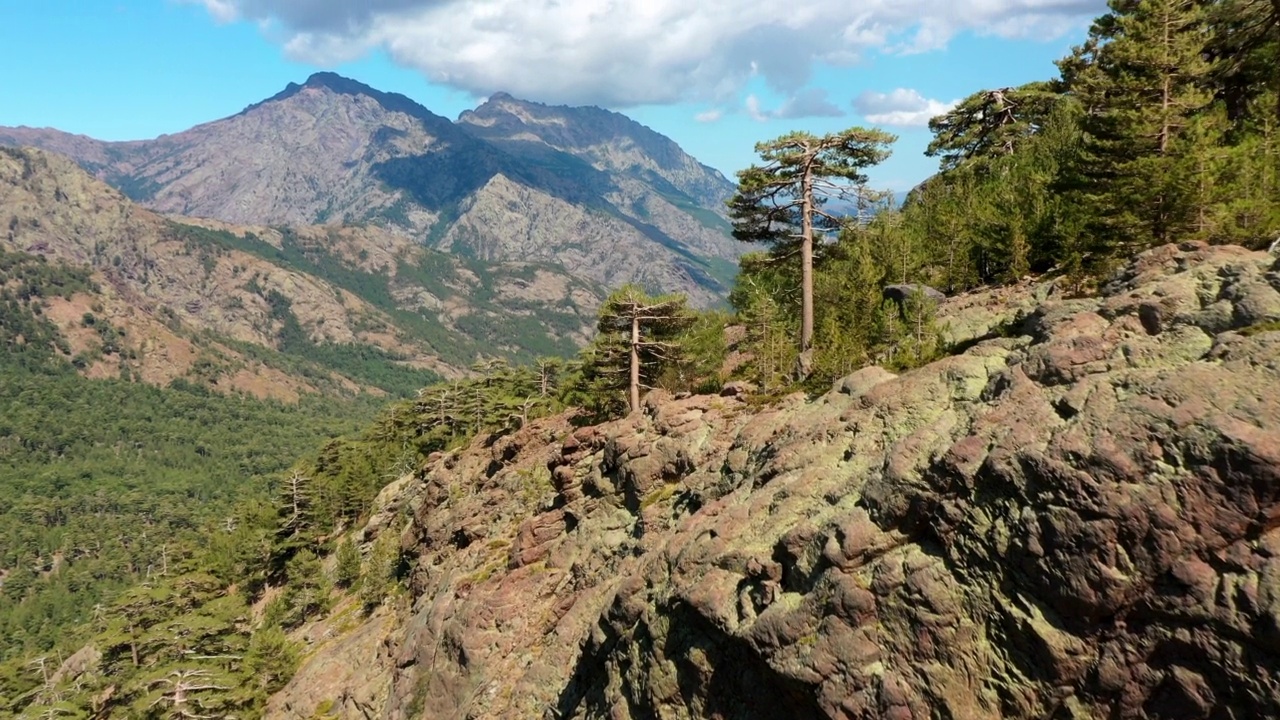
x: 1073, y: 516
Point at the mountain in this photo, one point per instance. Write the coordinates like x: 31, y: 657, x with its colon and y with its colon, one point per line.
x: 1074, y: 516
x: 609, y: 141
x: 642, y: 173
x: 583, y: 188
x: 274, y: 311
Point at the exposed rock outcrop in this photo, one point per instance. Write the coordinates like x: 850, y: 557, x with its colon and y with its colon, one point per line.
x: 1074, y: 518
x: 903, y: 292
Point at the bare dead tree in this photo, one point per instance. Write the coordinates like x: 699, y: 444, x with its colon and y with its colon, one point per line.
x: 546, y: 375
x: 297, y: 499
x: 181, y: 684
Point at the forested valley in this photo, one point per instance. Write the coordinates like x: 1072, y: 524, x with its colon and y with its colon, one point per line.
x: 180, y: 535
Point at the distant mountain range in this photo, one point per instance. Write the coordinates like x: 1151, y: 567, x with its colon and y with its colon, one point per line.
x: 273, y: 311
x: 588, y: 190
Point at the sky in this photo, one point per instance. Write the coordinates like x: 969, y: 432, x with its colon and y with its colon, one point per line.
x: 717, y: 76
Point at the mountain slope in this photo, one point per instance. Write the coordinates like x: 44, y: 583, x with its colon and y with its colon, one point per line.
x: 335, y: 151
x: 655, y: 186
x: 612, y: 143
x: 360, y: 302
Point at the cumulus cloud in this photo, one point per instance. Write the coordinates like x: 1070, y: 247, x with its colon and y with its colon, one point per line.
x: 631, y: 52
x: 221, y: 10
x: 324, y: 16
x: 900, y: 108
x: 809, y: 102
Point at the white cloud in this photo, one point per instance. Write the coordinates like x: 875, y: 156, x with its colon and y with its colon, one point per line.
x: 223, y: 11
x: 630, y: 52
x: 708, y: 116
x: 809, y: 102
x: 900, y: 108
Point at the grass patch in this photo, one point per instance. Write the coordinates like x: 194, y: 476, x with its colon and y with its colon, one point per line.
x: 1259, y: 328
x: 662, y: 494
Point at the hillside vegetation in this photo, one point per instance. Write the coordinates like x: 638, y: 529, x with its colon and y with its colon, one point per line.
x: 1162, y: 127
x: 110, y: 483
x: 281, y: 311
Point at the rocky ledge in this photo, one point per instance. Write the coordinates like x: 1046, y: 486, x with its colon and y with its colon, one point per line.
x: 1074, y: 517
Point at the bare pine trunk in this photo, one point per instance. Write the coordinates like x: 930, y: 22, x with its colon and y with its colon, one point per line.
x: 635, y: 364
x: 1165, y: 99
x: 806, y: 265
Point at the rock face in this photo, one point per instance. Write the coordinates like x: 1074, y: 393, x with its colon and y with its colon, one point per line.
x: 1075, y: 518
x: 511, y: 181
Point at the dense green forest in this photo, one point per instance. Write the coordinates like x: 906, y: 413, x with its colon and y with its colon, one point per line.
x: 145, y: 522
x: 110, y: 484
x: 142, y: 522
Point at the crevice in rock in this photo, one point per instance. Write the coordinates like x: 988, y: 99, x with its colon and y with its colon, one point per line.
x: 1065, y: 409
x: 722, y: 676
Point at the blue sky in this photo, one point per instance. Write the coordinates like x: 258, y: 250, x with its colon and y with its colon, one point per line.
x: 716, y: 75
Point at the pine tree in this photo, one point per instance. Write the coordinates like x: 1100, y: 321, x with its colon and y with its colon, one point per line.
x: 271, y: 659
x: 699, y: 364
x: 781, y: 201
x: 638, y: 338
x: 1240, y: 189
x: 991, y: 123
x: 1245, y: 47
x: 942, y: 208
x: 307, y: 591
x: 848, y: 290
x: 920, y: 339
x: 768, y: 336
x: 381, y: 571
x: 1141, y: 78
x: 347, y: 565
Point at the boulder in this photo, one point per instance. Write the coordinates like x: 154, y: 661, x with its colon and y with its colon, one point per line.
x: 900, y: 293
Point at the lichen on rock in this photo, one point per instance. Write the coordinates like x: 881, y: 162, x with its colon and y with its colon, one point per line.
x: 1075, y: 517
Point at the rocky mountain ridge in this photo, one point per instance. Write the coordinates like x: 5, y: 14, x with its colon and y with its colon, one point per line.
x: 198, y: 296
x: 601, y: 195
x: 1073, y: 516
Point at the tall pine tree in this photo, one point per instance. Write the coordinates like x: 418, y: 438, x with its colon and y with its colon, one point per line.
x: 781, y: 201
x: 1141, y: 78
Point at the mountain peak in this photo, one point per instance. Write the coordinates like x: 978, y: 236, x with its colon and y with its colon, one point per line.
x: 512, y: 180
x: 340, y: 85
